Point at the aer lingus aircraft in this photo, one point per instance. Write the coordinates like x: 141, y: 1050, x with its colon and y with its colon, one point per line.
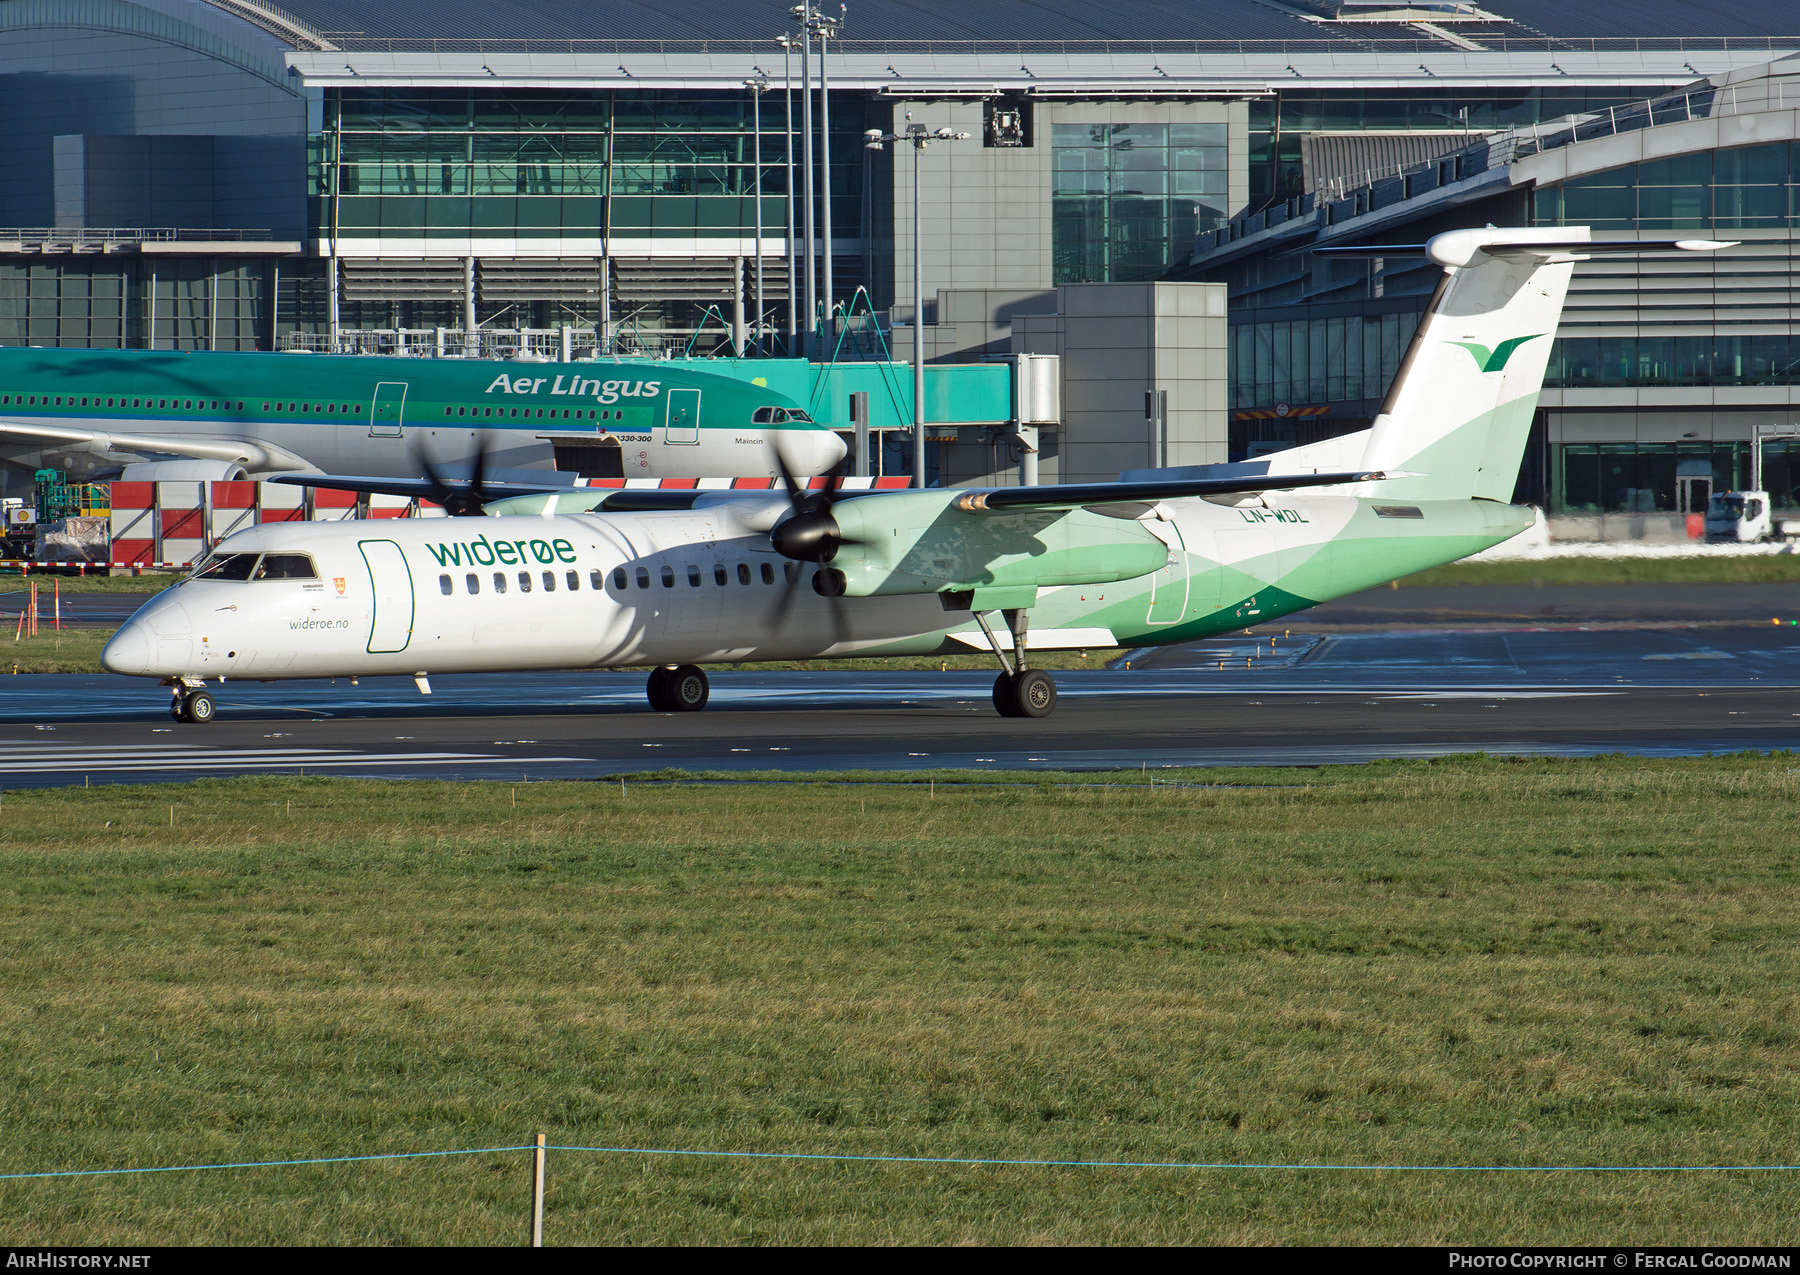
x: 152, y: 414
x: 670, y: 580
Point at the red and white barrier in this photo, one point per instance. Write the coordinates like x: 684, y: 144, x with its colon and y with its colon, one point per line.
x: 181, y: 521
x: 175, y: 524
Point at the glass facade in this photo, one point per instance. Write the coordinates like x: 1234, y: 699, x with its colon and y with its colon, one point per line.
x: 173, y: 302
x: 1742, y: 188
x: 1128, y: 199
x: 1592, y: 478
x: 1278, y: 122
x: 1587, y: 362
x: 1319, y: 360
x: 461, y: 163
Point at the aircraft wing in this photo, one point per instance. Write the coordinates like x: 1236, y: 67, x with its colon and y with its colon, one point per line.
x: 421, y: 488
x: 251, y: 454
x: 1125, y: 498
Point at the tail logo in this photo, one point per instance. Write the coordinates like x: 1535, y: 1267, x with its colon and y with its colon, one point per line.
x: 1495, y: 359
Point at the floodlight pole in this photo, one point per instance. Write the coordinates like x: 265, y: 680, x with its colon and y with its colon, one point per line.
x: 787, y: 98
x: 920, y: 139
x: 804, y: 13
x: 827, y: 29
x: 757, y: 84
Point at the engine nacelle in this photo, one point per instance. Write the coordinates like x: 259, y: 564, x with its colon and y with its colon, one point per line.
x: 193, y: 471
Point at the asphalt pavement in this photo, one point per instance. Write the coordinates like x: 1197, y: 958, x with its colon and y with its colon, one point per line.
x: 1652, y: 671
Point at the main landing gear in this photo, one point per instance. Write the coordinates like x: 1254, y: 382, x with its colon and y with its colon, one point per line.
x: 682, y: 689
x: 1018, y: 691
x: 192, y: 704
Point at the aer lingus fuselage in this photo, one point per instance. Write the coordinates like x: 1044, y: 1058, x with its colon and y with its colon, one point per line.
x: 257, y: 415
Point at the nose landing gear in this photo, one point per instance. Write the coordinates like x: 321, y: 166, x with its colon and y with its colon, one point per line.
x: 192, y: 704
x: 682, y: 689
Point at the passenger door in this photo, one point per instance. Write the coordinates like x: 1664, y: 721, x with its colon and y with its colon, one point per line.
x: 391, y: 591
x: 386, y: 411
x: 684, y: 417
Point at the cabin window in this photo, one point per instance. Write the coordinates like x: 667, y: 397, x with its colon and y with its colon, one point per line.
x: 109, y: 402
x: 287, y: 566
x: 743, y: 573
x: 265, y: 405
x: 574, y: 581
x: 359, y: 409
x: 59, y: 400
x: 524, y: 582
x: 162, y: 403
x: 84, y: 400
x: 449, y: 411
x: 618, y: 578
x: 446, y: 586
x: 792, y: 569
x: 499, y: 582
x: 240, y: 406
x: 668, y: 577
x: 135, y: 403
x: 549, y: 582
x: 643, y: 577
x: 694, y: 577
x: 461, y: 410
x: 720, y: 575
x: 768, y: 573
x: 594, y: 578
x: 331, y: 408
x: 474, y: 583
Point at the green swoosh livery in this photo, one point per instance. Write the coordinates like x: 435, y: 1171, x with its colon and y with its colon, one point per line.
x: 1494, y: 360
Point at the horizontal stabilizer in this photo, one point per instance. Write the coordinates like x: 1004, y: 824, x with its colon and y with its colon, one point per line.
x: 1461, y: 247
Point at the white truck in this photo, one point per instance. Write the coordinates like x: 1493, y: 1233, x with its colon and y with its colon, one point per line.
x: 1744, y: 517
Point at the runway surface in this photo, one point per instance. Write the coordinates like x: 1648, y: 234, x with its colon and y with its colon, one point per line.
x: 1335, y: 694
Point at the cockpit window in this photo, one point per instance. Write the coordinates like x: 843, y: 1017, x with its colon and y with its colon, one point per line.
x: 795, y: 414
x: 286, y: 566
x: 762, y: 416
x: 230, y: 566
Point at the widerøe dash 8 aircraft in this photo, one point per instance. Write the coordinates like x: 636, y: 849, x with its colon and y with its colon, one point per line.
x: 670, y: 580
x: 153, y: 415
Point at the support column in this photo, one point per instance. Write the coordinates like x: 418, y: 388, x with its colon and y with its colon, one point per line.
x: 469, y: 295
x: 737, y: 306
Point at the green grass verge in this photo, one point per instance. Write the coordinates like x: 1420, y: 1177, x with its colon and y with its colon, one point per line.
x: 150, y: 582
x: 71, y: 651
x: 1724, y: 569
x: 1463, y: 962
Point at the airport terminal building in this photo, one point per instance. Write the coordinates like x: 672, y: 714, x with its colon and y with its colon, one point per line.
x: 462, y: 176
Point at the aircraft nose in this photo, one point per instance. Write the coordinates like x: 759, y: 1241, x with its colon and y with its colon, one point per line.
x: 831, y: 449
x: 129, y: 651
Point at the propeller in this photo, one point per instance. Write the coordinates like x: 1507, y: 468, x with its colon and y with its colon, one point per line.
x: 811, y: 534
x: 460, y: 497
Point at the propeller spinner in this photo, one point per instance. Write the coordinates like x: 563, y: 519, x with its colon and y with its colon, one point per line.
x: 460, y: 497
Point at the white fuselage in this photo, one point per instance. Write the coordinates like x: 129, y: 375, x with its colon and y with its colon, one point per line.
x: 620, y: 590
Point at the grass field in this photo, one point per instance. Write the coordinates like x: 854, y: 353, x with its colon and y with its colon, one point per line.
x: 100, y: 582
x: 1463, y: 962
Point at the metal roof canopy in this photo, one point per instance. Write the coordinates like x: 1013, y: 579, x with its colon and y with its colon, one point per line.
x: 354, y: 23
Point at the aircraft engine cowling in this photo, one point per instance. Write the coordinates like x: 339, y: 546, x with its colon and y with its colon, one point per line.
x: 919, y: 542
x: 201, y: 471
